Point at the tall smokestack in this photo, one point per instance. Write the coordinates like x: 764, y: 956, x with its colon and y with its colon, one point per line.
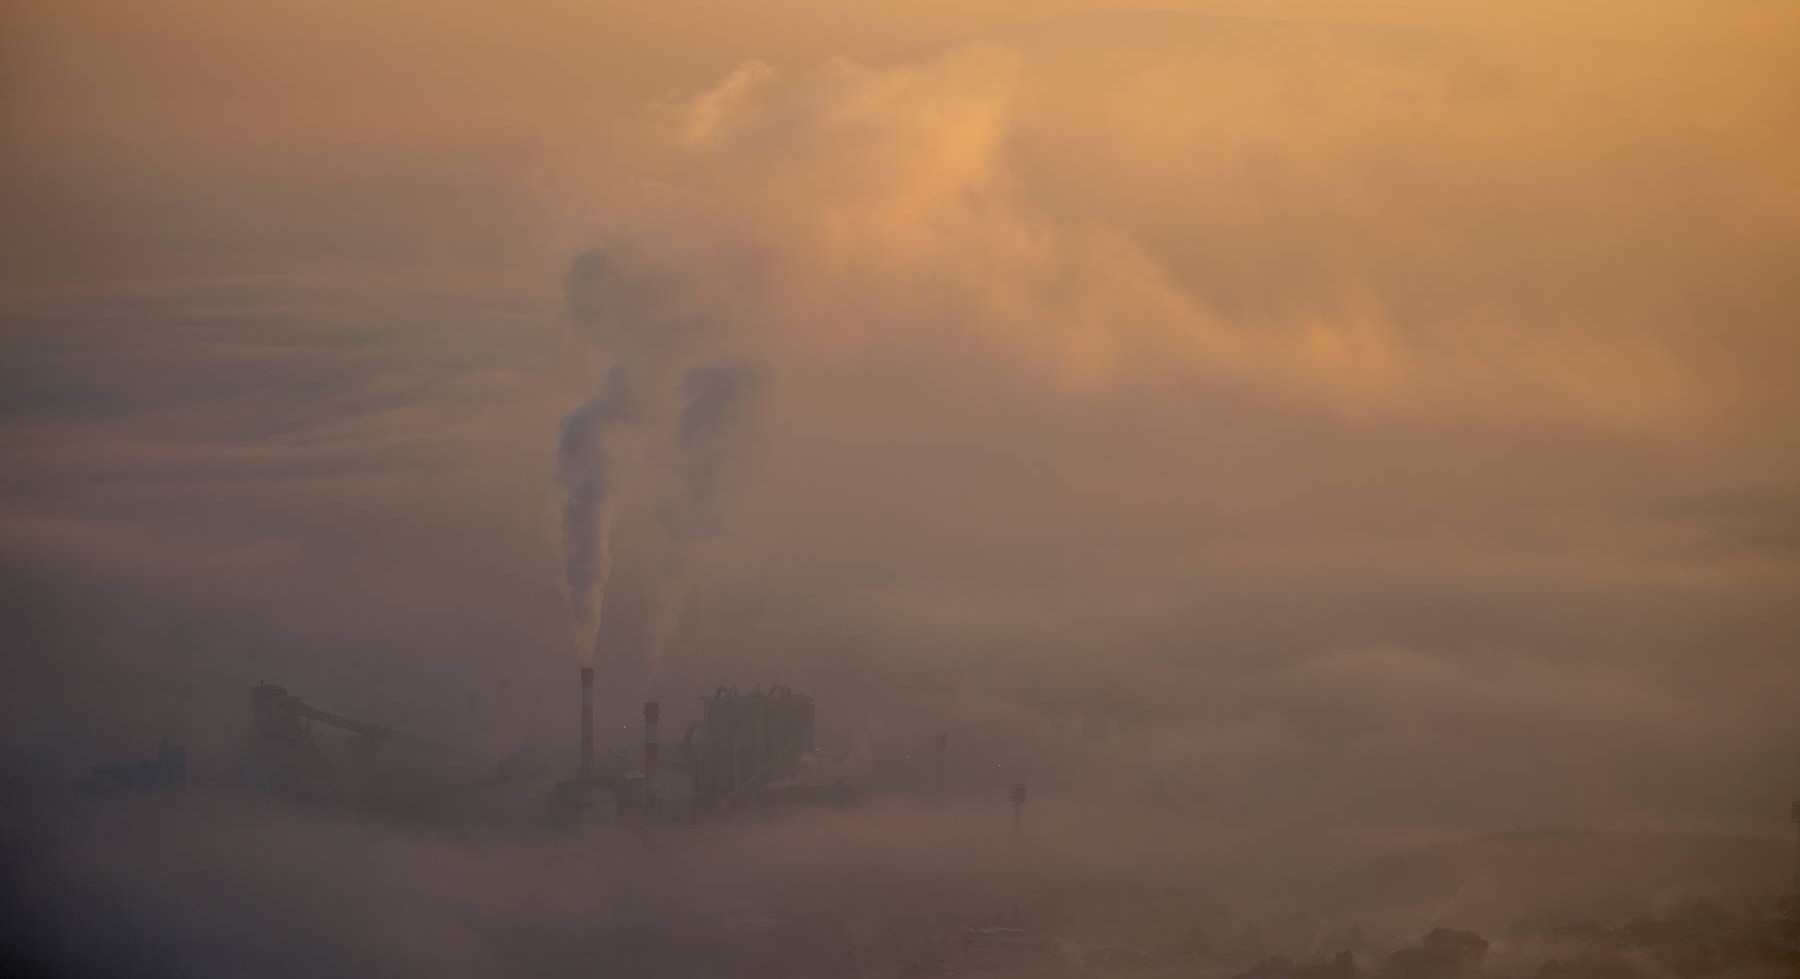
x: 652, y: 711
x: 587, y: 722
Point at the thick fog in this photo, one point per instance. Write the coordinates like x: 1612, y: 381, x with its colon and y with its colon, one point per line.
x: 1279, y: 438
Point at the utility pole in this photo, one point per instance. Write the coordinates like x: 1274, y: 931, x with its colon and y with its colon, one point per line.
x: 652, y: 755
x: 1795, y: 812
x: 1018, y: 800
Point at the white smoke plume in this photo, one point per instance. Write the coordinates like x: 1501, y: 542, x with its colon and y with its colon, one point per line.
x: 657, y: 359
x: 587, y: 468
x: 717, y: 406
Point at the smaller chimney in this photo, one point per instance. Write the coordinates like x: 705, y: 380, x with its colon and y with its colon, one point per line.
x: 652, y: 712
x: 587, y: 723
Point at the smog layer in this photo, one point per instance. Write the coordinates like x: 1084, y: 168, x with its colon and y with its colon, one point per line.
x: 1225, y: 489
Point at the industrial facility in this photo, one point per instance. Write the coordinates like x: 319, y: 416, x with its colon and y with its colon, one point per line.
x: 754, y: 750
x: 747, y: 748
x: 281, y: 755
x: 746, y: 743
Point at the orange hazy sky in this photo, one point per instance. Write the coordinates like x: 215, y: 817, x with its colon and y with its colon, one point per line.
x: 1426, y: 358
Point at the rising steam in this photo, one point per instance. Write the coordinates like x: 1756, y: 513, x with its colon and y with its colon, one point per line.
x: 652, y: 341
x: 717, y: 402
x: 587, y: 469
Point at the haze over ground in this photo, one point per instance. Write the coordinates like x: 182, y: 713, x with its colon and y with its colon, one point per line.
x: 1372, y: 420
